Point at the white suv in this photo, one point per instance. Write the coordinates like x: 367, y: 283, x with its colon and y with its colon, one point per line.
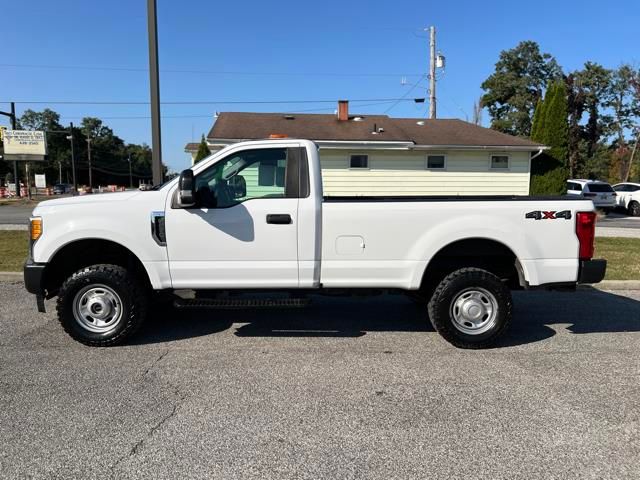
x: 628, y: 197
x: 600, y: 193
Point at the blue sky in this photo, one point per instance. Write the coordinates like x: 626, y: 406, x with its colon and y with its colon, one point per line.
x: 275, y: 50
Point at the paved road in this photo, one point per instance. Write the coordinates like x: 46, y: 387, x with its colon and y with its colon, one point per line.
x: 15, y: 215
x: 344, y: 389
x: 619, y: 220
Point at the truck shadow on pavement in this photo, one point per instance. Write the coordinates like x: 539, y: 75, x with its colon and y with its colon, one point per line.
x: 585, y: 311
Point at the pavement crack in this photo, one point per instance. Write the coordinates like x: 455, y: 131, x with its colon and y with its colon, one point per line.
x: 140, y: 443
x: 134, y: 450
x: 155, y: 362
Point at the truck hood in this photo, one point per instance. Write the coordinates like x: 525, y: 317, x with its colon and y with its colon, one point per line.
x: 92, y: 198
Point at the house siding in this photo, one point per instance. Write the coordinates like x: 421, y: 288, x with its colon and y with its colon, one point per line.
x: 405, y: 173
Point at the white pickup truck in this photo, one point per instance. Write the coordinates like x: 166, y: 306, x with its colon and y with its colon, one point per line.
x: 253, y: 218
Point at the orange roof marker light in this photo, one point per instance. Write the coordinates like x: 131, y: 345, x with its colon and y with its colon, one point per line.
x: 278, y: 135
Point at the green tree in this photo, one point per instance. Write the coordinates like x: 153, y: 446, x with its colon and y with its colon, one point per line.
x: 554, y: 132
x: 548, y: 171
x: 513, y: 90
x: 537, y: 126
x: 203, y: 150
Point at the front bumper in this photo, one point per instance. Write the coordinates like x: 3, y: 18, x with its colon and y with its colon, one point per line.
x: 33, y: 275
x: 592, y: 271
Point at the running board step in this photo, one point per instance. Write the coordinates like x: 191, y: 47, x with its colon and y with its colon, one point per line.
x: 237, y: 303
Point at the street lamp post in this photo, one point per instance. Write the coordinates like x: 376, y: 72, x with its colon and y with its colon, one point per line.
x: 89, y: 159
x: 130, y: 176
x: 73, y: 159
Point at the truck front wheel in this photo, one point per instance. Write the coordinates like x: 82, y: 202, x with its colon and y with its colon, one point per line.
x: 101, y: 305
x: 471, y: 308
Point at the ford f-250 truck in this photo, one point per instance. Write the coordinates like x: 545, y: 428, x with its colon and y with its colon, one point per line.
x: 252, y: 217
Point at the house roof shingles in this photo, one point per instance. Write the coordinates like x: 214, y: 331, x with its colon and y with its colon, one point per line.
x: 240, y: 125
x: 457, y: 132
x: 327, y: 127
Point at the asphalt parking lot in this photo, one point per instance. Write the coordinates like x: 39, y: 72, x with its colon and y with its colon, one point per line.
x: 346, y: 388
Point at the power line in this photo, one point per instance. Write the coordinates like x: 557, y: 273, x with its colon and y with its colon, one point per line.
x: 209, y: 72
x: 403, y: 98
x: 212, y: 102
x: 146, y: 117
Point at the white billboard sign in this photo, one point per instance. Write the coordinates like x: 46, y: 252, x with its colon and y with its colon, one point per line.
x: 41, y: 180
x: 25, y: 144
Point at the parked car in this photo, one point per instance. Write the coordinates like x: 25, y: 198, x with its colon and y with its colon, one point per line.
x: 600, y: 193
x: 253, y: 217
x: 61, y: 188
x: 628, y: 197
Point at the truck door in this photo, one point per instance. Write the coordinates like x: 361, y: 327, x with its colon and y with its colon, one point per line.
x: 242, y: 232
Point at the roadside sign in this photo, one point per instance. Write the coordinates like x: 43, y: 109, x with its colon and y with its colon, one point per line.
x: 29, y: 145
x: 41, y: 180
x: 2, y: 130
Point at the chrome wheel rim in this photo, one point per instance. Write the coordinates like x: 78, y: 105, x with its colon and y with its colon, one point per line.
x: 474, y: 311
x: 97, y: 308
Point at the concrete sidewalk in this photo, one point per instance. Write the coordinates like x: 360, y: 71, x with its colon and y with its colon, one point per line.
x: 617, y: 232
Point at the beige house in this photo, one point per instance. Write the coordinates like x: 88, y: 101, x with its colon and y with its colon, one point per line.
x: 380, y: 155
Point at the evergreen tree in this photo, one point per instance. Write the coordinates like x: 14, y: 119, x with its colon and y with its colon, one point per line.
x: 203, y: 150
x: 555, y: 130
x: 550, y: 127
x: 538, y: 121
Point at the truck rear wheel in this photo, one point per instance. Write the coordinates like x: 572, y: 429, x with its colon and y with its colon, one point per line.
x: 471, y: 308
x: 101, y: 305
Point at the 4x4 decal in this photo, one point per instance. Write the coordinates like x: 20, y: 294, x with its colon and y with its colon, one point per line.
x: 545, y: 215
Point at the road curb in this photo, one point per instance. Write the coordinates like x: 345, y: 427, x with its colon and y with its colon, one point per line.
x: 13, y: 226
x: 11, y: 277
x: 616, y: 285
x: 16, y: 277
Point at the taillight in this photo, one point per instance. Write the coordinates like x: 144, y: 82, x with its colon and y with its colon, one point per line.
x: 586, y: 232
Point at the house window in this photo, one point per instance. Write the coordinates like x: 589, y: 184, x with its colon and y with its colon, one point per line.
x: 435, y: 162
x: 359, y: 161
x: 500, y: 162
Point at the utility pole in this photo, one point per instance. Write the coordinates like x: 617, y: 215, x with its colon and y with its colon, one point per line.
x: 130, y: 176
x: 73, y: 160
x: 432, y: 72
x: 59, y: 171
x: 89, y: 159
x: 154, y: 83
x: 16, y: 179
x: 12, y: 116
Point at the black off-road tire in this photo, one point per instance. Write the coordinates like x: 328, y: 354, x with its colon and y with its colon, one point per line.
x: 441, y: 307
x: 634, y: 208
x: 134, y: 303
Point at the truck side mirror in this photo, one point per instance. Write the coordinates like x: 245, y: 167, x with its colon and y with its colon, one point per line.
x: 186, y: 189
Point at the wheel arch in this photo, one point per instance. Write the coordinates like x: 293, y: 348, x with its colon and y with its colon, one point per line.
x: 80, y: 253
x: 487, y: 253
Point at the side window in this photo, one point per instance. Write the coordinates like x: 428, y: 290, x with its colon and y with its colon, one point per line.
x: 436, y: 162
x: 260, y: 173
x: 359, y: 161
x: 500, y: 162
